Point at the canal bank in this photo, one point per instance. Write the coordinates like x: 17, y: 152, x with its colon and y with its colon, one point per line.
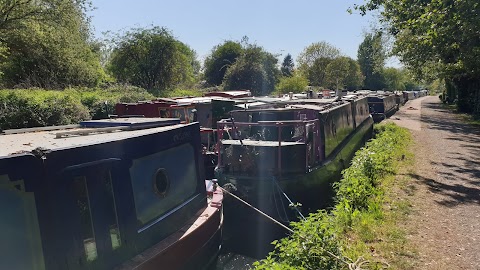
x: 355, y: 228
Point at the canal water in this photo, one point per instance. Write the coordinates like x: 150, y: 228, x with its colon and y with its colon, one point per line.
x: 247, y: 238
x: 247, y: 235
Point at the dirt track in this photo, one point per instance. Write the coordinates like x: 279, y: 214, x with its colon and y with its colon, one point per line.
x: 445, y: 225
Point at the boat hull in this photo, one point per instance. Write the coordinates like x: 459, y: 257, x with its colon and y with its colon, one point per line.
x: 194, y: 246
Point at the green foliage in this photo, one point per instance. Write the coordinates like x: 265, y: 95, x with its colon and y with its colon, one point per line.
x: 47, y: 44
x: 343, y: 72
x: 288, y: 66
x: 255, y: 70
x: 308, y: 247
x: 394, y: 79
x: 152, y: 59
x: 221, y: 57
x: 35, y: 107
x: 100, y: 102
x: 371, y: 57
x: 438, y: 37
x: 346, y: 231
x: 297, y: 83
x: 314, y: 59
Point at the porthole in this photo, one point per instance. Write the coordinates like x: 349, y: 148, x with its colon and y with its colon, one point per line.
x: 161, y: 183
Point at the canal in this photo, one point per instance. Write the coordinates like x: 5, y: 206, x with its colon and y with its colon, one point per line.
x: 247, y: 235
x: 247, y: 238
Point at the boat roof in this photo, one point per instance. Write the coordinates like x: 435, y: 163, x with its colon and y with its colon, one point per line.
x: 199, y: 99
x: 98, y: 131
x: 230, y: 94
x: 258, y: 143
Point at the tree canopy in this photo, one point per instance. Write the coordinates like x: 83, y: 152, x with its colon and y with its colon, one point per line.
x: 46, y: 43
x: 343, y: 73
x: 439, y: 34
x: 152, y: 59
x: 296, y: 83
x: 287, y: 66
x: 371, y: 57
x: 313, y: 61
x: 255, y: 69
x: 221, y: 57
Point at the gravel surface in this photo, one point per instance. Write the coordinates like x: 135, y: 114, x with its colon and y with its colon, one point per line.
x: 445, y: 224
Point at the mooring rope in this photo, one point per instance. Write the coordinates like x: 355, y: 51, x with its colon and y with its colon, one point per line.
x: 290, y: 201
x: 357, y: 265
x: 257, y: 210
x: 275, y: 190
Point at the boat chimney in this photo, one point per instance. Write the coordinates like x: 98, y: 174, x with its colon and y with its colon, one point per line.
x: 290, y: 95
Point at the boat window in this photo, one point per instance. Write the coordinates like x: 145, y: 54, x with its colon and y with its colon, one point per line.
x: 21, y: 245
x: 111, y: 215
x: 83, y: 205
x: 161, y: 182
x: 175, y: 179
x: 179, y: 113
x: 164, y: 113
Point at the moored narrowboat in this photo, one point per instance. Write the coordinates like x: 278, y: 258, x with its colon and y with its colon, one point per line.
x: 381, y: 105
x: 107, y: 194
x: 290, y: 152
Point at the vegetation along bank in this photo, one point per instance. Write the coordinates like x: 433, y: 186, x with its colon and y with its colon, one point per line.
x: 361, y: 228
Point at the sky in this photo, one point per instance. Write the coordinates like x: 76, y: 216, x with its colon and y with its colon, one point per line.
x: 279, y: 26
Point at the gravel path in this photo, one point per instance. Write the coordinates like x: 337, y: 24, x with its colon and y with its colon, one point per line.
x: 445, y: 225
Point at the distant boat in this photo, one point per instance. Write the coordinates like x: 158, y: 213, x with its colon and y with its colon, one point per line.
x: 382, y: 105
x: 290, y: 148
x: 107, y: 194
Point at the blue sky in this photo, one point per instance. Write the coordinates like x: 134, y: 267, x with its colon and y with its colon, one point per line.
x: 279, y: 26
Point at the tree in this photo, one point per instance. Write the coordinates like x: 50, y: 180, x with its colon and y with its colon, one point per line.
x: 337, y: 72
x: 221, y: 57
x: 255, y: 69
x: 355, y: 77
x: 437, y: 33
x: 371, y: 58
x: 343, y: 72
x: 47, y: 44
x: 296, y: 83
x: 394, y: 79
x: 152, y: 59
x: 13, y: 13
x: 314, y: 60
x: 287, y: 66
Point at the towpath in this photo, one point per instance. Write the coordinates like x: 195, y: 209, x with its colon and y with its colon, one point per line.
x: 445, y: 224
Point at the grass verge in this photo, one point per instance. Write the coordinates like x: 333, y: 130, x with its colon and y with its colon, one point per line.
x: 363, y: 228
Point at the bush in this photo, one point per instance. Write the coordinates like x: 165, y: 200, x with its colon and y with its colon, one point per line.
x: 295, y: 84
x: 350, y: 226
x: 101, y: 101
x: 25, y: 108
x: 36, y: 108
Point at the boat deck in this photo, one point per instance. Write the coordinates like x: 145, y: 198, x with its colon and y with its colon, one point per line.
x: 76, y: 136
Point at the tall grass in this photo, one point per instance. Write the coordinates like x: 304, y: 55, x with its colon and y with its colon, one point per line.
x: 331, y: 239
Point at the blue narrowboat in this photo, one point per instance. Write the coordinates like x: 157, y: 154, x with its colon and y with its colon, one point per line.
x: 381, y: 105
x: 107, y: 194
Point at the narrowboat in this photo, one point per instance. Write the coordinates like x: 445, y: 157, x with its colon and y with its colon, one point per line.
x: 107, y: 194
x: 291, y: 152
x: 381, y: 105
x: 400, y: 99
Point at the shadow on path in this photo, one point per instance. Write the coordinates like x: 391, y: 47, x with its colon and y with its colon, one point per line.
x: 454, y: 194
